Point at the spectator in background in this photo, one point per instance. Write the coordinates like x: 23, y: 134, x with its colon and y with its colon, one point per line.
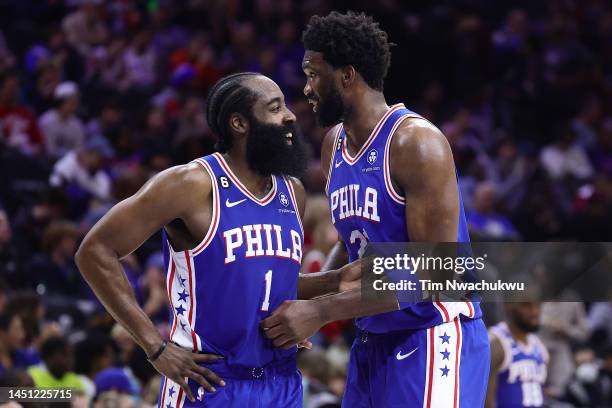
x: 316, y: 375
x: 85, y: 28
x: 92, y: 355
x: 55, y: 270
x: 10, y: 259
x: 139, y: 64
x: 587, y: 122
x: 12, y: 336
x: 113, y: 383
x: 565, y: 159
x: 56, y: 371
x: 80, y: 172
x: 485, y: 222
x: 18, y: 127
x: 563, y: 326
x: 62, y: 129
x: 152, y: 285
x: 510, y: 170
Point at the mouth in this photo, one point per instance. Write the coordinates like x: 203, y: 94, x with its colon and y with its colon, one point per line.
x: 289, y: 138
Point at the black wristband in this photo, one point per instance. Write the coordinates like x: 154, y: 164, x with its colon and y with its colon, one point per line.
x: 156, y: 355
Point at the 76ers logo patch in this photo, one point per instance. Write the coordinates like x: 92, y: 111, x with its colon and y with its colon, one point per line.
x: 372, y: 156
x: 283, y: 199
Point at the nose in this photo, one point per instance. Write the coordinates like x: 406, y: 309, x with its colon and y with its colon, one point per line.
x: 289, y: 117
x: 307, y: 89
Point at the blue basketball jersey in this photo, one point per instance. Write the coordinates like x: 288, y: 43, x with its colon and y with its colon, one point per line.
x: 365, y: 207
x: 244, y: 268
x: 523, y: 371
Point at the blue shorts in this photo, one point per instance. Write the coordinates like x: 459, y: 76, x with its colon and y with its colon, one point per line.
x: 445, y: 366
x: 277, y: 385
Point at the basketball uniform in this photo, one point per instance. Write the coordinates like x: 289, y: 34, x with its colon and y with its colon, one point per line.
x: 219, y: 291
x: 427, y: 354
x: 523, y: 371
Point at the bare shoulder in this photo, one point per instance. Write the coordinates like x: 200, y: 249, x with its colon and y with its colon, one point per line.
x: 417, y: 140
x: 181, y: 178
x: 185, y: 185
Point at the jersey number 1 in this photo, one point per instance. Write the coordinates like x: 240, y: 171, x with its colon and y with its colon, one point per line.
x: 266, y: 303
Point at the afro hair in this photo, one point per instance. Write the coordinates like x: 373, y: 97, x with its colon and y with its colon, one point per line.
x: 351, y: 39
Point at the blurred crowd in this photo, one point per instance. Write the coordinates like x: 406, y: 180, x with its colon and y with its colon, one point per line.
x: 96, y: 97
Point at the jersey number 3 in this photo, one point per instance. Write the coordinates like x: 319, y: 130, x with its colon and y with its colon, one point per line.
x: 356, y: 235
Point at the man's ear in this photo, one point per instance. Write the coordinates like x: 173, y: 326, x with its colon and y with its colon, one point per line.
x: 238, y: 123
x: 347, y: 77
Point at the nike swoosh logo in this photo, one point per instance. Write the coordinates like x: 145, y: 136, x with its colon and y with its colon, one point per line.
x: 401, y: 356
x: 339, y: 163
x: 229, y: 204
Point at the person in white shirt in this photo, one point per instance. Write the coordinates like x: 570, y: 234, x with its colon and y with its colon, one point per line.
x: 63, y: 130
x: 83, y: 168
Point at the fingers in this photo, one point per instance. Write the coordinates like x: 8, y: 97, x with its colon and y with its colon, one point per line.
x: 274, y: 332
x: 270, y: 321
x: 284, y: 339
x: 203, y: 358
x: 202, y: 381
x: 183, y: 384
x: 206, y: 372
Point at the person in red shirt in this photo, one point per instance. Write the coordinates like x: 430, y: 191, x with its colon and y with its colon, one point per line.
x: 18, y: 127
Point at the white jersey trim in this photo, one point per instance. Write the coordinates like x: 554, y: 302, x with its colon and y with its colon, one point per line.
x: 216, y: 211
x: 350, y: 160
x: 294, y: 201
x: 263, y: 201
x: 331, y: 159
x: 395, y: 196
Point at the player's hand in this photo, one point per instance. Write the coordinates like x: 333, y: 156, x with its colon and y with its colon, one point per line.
x: 350, y: 276
x: 292, y: 322
x: 179, y: 364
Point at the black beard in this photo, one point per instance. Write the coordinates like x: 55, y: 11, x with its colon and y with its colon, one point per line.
x: 330, y: 109
x: 526, y: 327
x: 269, y: 153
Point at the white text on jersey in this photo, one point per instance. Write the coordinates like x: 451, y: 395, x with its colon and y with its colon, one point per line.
x: 250, y: 237
x: 347, y: 201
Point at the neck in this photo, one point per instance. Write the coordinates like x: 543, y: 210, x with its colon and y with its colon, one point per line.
x: 363, y: 116
x: 517, y: 333
x: 254, y: 182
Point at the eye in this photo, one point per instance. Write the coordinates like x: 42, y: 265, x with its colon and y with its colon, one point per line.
x: 275, y: 109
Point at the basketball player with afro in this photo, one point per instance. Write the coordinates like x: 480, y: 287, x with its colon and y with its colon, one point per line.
x: 390, y: 178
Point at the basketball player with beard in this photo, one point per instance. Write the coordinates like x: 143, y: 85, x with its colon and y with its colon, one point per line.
x: 232, y: 250
x: 518, y: 359
x: 390, y: 178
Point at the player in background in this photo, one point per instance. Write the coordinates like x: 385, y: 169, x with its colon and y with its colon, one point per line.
x: 390, y: 178
x: 518, y: 359
x: 232, y: 247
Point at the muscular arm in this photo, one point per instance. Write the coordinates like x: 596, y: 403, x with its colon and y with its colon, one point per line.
x: 497, y: 359
x: 121, y: 231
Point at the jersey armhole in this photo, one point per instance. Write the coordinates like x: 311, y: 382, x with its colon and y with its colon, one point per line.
x: 331, y: 158
x: 294, y: 201
x: 395, y: 196
x: 216, y: 209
